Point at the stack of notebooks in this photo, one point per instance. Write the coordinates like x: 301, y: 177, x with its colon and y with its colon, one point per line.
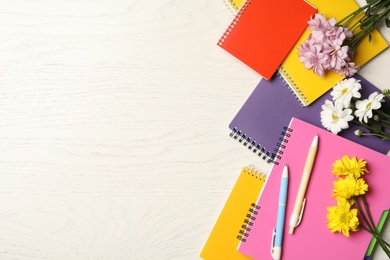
x: 244, y: 229
x: 278, y: 122
x: 260, y: 38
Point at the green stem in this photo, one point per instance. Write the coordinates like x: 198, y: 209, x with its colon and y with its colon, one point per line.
x: 363, y: 215
x: 368, y: 212
x: 374, y: 234
x: 372, y: 228
x: 375, y: 12
x: 350, y: 17
x: 385, y: 246
x: 382, y: 135
x: 386, y: 124
x: 382, y: 114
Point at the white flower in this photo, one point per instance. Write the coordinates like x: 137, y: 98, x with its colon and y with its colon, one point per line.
x: 334, y: 117
x: 364, y: 107
x: 345, y: 90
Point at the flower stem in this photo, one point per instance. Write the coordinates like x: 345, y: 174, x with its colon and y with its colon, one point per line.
x: 371, y: 224
x: 375, y: 12
x: 382, y: 114
x: 368, y: 212
x: 373, y: 132
x: 363, y: 215
x: 385, y: 246
x: 375, y: 234
x: 385, y: 123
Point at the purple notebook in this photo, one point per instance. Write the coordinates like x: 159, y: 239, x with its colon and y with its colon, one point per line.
x: 260, y: 121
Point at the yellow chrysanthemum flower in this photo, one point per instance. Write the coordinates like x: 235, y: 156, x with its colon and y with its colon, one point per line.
x: 345, y: 188
x: 342, y: 218
x: 347, y: 166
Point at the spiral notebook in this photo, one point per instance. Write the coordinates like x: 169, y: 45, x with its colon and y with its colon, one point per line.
x: 261, y: 37
x: 270, y: 107
x: 234, y: 5
x: 235, y: 217
x: 308, y: 86
x: 312, y: 238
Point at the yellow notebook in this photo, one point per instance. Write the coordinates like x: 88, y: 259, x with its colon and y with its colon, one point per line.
x: 308, y: 86
x: 234, y: 219
x: 234, y: 4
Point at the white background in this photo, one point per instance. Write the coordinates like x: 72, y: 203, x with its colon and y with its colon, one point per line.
x: 113, y: 126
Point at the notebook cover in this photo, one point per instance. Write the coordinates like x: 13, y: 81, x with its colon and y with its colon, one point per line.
x: 225, y: 236
x: 312, y: 238
x: 262, y: 34
x: 270, y: 107
x: 234, y: 5
x: 309, y: 86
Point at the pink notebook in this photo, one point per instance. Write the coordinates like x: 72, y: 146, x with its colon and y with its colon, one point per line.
x: 312, y: 239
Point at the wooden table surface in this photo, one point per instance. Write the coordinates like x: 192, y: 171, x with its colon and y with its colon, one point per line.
x: 113, y: 127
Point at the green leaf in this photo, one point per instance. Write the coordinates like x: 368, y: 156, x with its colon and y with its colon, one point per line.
x: 387, y: 22
x: 369, y: 37
x: 376, y: 128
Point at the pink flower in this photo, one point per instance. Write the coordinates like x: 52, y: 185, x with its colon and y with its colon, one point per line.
x: 319, y: 26
x: 338, y: 35
x: 338, y: 57
x: 319, y: 23
x: 349, y: 69
x: 312, y: 57
x: 325, y: 48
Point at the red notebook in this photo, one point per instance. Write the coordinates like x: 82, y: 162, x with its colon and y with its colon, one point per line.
x: 263, y: 32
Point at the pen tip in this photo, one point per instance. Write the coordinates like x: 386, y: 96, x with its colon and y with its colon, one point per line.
x: 285, y: 172
x: 291, y: 231
x: 315, y: 141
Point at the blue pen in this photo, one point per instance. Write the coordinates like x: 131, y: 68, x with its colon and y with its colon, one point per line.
x: 277, y: 236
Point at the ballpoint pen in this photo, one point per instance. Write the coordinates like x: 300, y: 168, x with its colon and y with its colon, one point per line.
x: 277, y: 236
x: 300, y: 201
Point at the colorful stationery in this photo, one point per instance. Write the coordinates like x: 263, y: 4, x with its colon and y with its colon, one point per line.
x: 374, y: 242
x: 262, y: 33
x: 300, y: 200
x: 271, y: 105
x: 313, y: 238
x: 235, y: 5
x: 277, y: 236
x: 235, y: 218
x: 309, y: 86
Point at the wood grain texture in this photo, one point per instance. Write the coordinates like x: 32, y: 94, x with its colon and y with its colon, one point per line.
x: 113, y: 127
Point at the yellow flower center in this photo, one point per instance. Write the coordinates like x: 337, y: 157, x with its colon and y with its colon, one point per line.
x: 343, y: 218
x: 344, y: 91
x: 368, y: 105
x: 334, y: 117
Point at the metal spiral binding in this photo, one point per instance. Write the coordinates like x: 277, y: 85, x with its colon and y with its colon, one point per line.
x: 252, y: 145
x: 233, y: 8
x: 248, y: 222
x: 234, y: 22
x: 283, y: 140
x: 293, y: 87
x: 252, y: 170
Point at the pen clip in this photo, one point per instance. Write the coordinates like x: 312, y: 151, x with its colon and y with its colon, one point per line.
x: 301, y: 213
x: 273, y: 241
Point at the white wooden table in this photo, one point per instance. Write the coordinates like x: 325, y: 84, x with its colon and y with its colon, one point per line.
x: 113, y: 127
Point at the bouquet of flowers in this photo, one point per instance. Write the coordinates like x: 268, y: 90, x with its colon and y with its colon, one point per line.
x: 372, y: 114
x: 331, y: 44
x: 349, y: 194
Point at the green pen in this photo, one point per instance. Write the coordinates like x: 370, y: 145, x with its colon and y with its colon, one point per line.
x: 373, y: 242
